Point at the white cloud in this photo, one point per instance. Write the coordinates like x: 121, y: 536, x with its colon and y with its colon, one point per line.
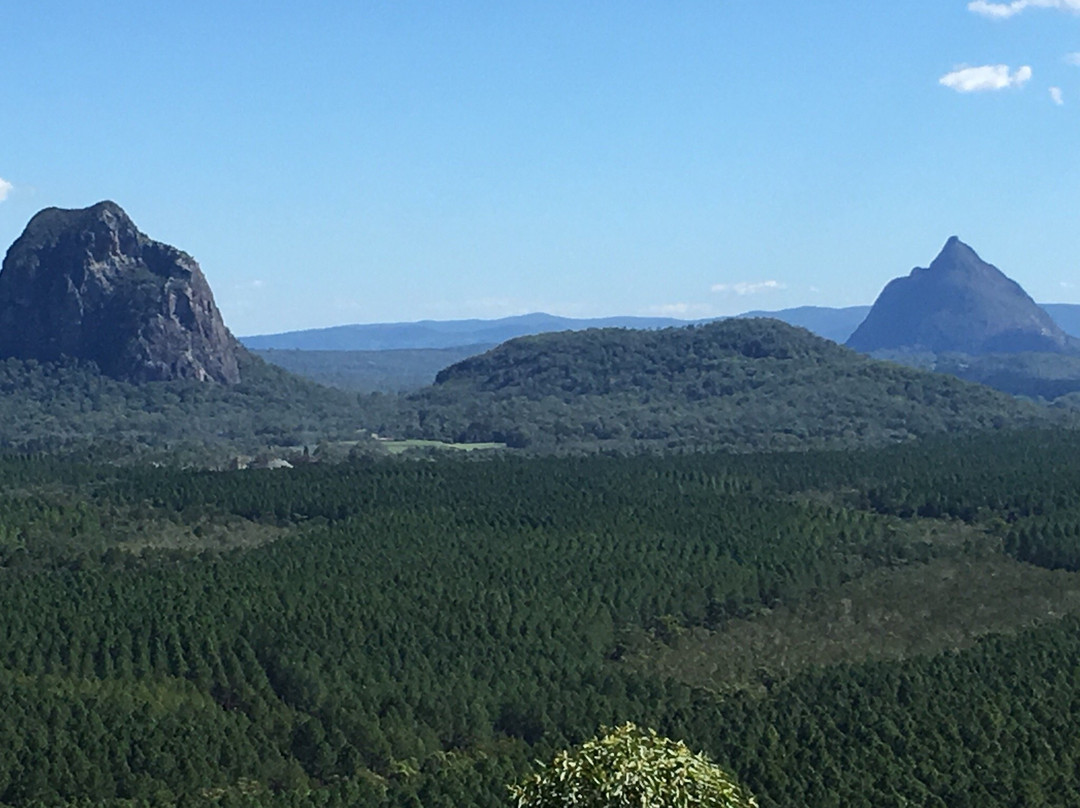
x: 5, y: 189
x: 744, y: 288
x: 986, y: 77
x: 1056, y: 96
x: 1073, y: 59
x: 1002, y: 11
x: 681, y: 310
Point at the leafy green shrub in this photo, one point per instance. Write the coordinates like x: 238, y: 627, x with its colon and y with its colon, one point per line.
x: 631, y: 767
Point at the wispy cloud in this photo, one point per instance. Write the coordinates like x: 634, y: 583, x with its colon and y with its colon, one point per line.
x: 744, y: 288
x: 5, y: 189
x: 681, y: 310
x: 986, y: 78
x: 1002, y: 11
x: 1056, y: 96
x: 1073, y: 59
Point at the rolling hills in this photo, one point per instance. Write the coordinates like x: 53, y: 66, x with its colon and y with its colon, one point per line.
x: 403, y: 357
x: 738, y: 384
x: 114, y: 342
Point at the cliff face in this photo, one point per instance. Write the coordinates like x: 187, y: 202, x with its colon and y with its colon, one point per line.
x: 87, y: 284
x: 959, y: 304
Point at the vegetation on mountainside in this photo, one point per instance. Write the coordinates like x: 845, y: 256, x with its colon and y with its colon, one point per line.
x: 1046, y: 376
x: 1035, y: 375
x: 417, y: 633
x: 738, y: 384
x: 73, y: 408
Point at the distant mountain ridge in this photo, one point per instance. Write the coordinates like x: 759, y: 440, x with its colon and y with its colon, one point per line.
x: 836, y: 324
x: 1066, y: 315
x: 395, y: 370
x: 398, y: 369
x: 439, y: 333
x: 959, y: 304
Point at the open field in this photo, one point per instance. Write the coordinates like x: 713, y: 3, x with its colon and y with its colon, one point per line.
x: 399, y: 446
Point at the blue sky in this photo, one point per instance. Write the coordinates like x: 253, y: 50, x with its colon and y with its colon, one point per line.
x: 348, y: 162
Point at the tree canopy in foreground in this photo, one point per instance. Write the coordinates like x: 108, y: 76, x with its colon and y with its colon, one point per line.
x: 627, y: 767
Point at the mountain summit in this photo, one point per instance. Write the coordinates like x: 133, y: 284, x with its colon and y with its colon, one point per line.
x: 959, y: 304
x: 88, y: 284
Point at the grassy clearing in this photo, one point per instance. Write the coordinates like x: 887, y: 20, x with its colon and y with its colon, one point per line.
x: 221, y: 532
x: 399, y: 446
x: 921, y: 609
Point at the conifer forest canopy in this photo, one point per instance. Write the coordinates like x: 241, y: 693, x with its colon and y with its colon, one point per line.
x: 838, y: 628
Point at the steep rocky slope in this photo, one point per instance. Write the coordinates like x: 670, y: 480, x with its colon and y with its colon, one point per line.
x: 958, y: 304
x: 87, y: 284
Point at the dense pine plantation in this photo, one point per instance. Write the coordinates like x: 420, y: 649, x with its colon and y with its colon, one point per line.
x: 417, y: 633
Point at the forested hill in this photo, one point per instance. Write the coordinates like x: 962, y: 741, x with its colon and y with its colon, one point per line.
x: 613, y: 360
x: 71, y: 407
x: 739, y: 384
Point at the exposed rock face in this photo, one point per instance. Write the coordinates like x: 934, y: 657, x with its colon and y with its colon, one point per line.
x: 959, y: 304
x: 87, y: 284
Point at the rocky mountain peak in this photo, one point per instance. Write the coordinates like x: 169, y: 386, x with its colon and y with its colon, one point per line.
x: 956, y: 253
x: 88, y: 284
x: 959, y: 304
